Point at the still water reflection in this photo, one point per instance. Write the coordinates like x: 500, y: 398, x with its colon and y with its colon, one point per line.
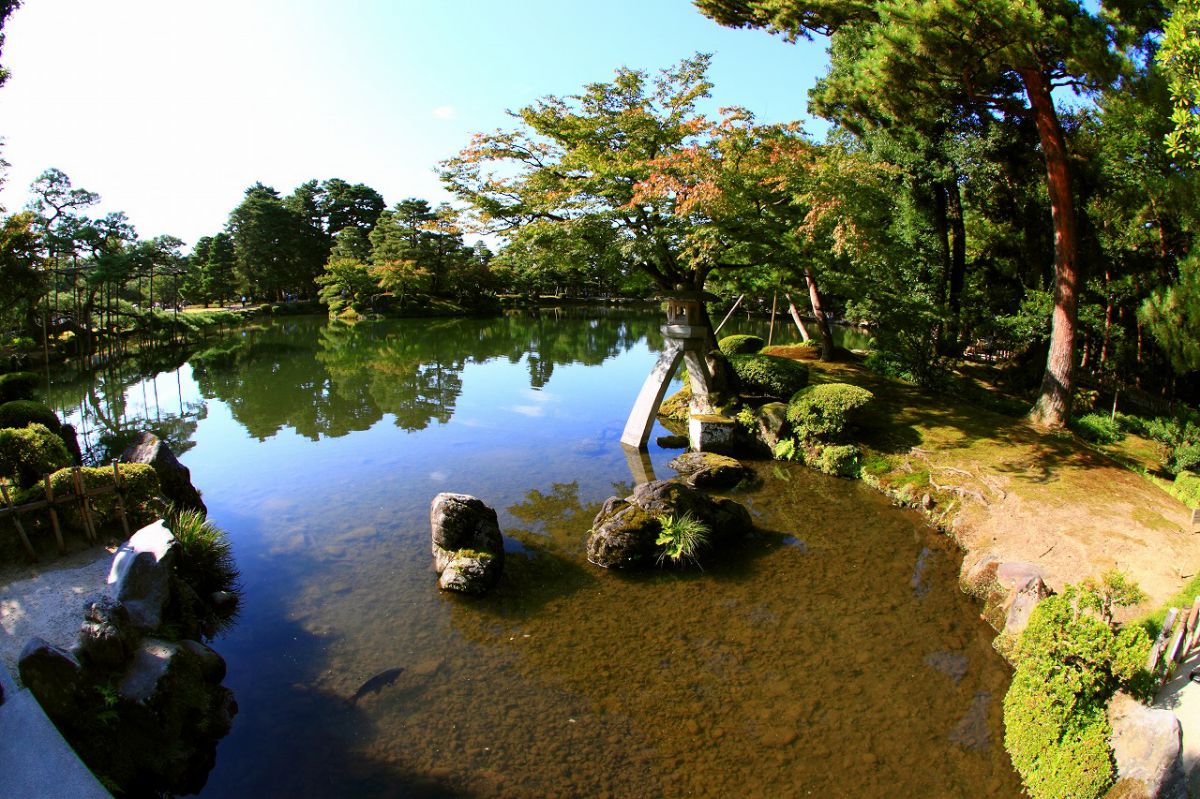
x: 831, y: 655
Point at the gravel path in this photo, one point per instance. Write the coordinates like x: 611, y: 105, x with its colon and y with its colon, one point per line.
x: 48, y: 600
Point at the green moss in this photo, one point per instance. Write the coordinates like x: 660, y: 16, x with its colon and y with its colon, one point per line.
x: 473, y: 554
x: 22, y: 413
x: 28, y: 453
x: 678, y: 405
x: 839, y: 460
x: 768, y: 375
x: 822, y: 413
x: 1186, y: 489
x: 741, y: 345
x: 18, y: 386
x: 876, y: 465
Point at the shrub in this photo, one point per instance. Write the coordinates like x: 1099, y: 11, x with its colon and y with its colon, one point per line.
x: 138, y: 481
x: 682, y: 538
x: 206, y: 560
x: 839, y: 460
x: 28, y: 453
x: 768, y: 375
x: 1133, y: 424
x: 22, y: 413
x: 740, y: 345
x: 1069, y: 662
x: 1098, y: 428
x: 823, y: 412
x: 1187, y: 489
x: 18, y: 386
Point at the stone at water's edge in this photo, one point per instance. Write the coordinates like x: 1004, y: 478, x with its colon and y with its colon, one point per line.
x: 1147, y: 746
x: 773, y: 425
x: 105, y: 635
x: 625, y: 530
x: 174, y: 478
x: 468, y: 549
x: 709, y: 470
x: 141, y: 573
x: 52, y: 675
x: 709, y: 432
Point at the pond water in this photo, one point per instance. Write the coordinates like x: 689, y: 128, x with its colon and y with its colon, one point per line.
x: 830, y: 655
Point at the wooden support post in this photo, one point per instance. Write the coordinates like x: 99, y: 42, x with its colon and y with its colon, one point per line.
x: 17, y: 521
x: 796, y: 318
x: 731, y: 310
x: 116, y: 475
x: 1161, y: 642
x: 85, y: 510
x: 1194, y: 633
x: 1173, y: 649
x: 771, y: 331
x: 58, y: 536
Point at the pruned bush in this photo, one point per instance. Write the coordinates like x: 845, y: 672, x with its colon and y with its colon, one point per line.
x: 1069, y: 662
x: 1187, y: 489
x: 740, y: 344
x: 28, y: 453
x: 768, y: 375
x: 140, y: 489
x: 22, y: 413
x: 839, y: 460
x: 18, y: 386
x: 1098, y: 428
x: 822, y: 413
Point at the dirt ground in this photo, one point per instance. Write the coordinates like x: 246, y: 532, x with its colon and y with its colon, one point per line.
x: 1002, y: 487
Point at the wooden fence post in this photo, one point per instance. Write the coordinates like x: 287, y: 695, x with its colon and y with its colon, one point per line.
x: 116, y: 476
x: 58, y: 536
x: 17, y: 521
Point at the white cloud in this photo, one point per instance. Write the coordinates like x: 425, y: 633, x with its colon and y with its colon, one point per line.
x: 446, y: 112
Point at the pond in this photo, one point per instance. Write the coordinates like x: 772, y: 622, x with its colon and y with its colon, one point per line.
x: 830, y: 655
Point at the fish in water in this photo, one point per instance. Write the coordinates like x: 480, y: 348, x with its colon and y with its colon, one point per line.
x: 376, y: 684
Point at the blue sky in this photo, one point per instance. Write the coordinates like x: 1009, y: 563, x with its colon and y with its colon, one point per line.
x: 170, y: 110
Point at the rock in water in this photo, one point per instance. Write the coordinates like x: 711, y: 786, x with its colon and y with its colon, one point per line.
x: 173, y: 476
x: 625, y: 530
x: 141, y: 572
x: 468, y: 549
x: 709, y: 470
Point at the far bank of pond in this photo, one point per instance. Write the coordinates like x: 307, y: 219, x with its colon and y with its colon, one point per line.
x: 830, y: 655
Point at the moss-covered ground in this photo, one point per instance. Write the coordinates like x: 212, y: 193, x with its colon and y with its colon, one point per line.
x: 1003, y: 487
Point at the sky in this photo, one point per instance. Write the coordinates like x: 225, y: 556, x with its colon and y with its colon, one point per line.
x: 170, y: 110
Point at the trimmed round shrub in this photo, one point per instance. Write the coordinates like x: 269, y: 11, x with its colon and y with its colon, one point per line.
x: 22, y: 413
x: 823, y: 412
x: 839, y: 460
x: 1097, y: 428
x: 28, y: 453
x: 140, y: 486
x: 740, y: 345
x: 18, y: 386
x: 768, y: 375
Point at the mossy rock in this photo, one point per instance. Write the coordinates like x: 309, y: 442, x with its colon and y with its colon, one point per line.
x: 678, y: 405
x: 740, y: 345
x: 709, y: 470
x: 838, y: 460
x: 18, y: 386
x: 22, y: 413
x: 824, y: 412
x: 768, y: 375
x: 28, y: 453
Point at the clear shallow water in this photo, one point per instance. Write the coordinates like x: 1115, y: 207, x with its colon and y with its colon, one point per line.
x: 832, y: 655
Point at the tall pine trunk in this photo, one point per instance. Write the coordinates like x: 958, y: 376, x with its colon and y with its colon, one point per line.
x: 1053, y: 406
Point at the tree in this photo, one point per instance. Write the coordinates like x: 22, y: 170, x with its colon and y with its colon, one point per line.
x: 581, y: 157
x: 266, y: 234
x: 991, y: 50
x: 6, y: 9
x: 1180, y: 60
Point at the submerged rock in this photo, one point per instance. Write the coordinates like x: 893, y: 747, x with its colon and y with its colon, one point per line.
x: 468, y: 549
x: 709, y: 470
x: 173, y: 476
x: 625, y: 531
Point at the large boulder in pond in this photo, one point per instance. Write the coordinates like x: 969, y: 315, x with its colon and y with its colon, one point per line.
x: 173, y: 476
x: 625, y: 532
x: 468, y: 549
x: 709, y: 470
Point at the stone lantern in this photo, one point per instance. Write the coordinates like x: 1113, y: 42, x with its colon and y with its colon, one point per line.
x: 687, y: 337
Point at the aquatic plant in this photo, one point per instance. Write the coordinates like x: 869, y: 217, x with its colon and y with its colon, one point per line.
x: 1069, y: 662
x: 206, y: 561
x: 823, y: 412
x: 682, y: 538
x: 740, y: 345
x: 768, y: 375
